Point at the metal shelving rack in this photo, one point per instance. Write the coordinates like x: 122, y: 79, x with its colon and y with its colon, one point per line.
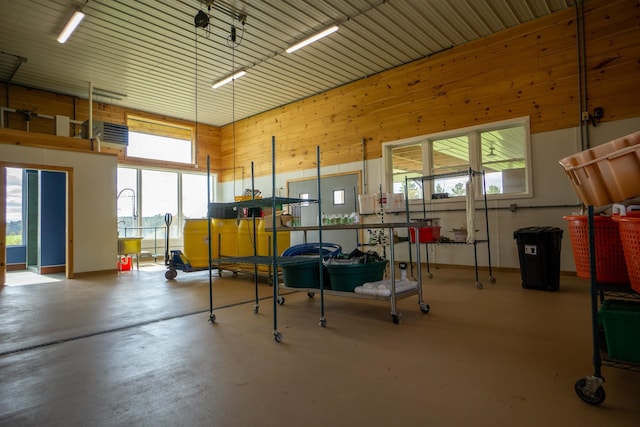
x: 470, y: 174
x: 589, y: 388
x: 274, y: 260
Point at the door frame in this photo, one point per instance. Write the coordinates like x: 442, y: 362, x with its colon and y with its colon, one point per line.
x: 3, y: 212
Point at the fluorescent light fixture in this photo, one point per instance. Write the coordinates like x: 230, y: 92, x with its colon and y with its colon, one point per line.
x: 311, y: 39
x: 68, y: 29
x: 228, y: 79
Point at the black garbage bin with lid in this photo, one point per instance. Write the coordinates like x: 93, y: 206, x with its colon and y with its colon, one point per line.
x: 539, y: 254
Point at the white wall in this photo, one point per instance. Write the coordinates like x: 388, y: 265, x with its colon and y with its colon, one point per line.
x: 553, y: 197
x: 94, y: 201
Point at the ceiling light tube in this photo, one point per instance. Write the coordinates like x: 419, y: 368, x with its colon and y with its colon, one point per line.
x: 312, y: 39
x: 68, y: 29
x: 228, y: 79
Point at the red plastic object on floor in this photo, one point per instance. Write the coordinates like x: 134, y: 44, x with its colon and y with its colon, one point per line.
x: 124, y: 263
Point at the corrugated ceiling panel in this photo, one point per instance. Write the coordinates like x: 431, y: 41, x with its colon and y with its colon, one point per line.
x: 150, y: 51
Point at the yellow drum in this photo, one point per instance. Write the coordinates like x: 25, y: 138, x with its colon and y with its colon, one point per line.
x: 225, y: 238
x: 196, y: 242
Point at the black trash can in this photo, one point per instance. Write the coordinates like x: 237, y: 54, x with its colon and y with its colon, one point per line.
x: 539, y: 254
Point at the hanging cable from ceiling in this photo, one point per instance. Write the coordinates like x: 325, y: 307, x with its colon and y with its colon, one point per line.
x: 232, y: 38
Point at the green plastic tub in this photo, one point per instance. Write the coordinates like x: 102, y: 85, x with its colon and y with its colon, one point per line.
x: 346, y: 277
x: 303, y: 274
x: 621, y: 321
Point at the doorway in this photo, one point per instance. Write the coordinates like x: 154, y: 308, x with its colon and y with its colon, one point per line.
x: 36, y: 212
x: 339, y: 197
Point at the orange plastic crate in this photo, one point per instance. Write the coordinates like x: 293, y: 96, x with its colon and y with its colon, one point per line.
x: 610, y: 262
x: 630, y: 236
x: 606, y: 173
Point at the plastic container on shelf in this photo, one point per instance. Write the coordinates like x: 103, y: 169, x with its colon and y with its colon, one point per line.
x: 393, y: 202
x: 367, y: 203
x: 607, y: 173
x: 629, y: 228
x: 610, y: 262
x: 346, y: 277
x: 304, y: 274
x: 425, y: 234
x: 621, y: 322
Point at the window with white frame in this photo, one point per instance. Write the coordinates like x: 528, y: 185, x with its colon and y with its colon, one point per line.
x: 501, y: 150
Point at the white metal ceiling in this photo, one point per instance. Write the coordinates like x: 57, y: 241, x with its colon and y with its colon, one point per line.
x: 148, y: 54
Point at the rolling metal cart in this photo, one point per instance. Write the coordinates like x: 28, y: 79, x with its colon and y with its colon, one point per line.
x: 590, y: 388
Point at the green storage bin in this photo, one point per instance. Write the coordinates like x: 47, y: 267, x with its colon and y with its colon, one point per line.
x: 621, y: 321
x: 346, y: 277
x: 303, y: 274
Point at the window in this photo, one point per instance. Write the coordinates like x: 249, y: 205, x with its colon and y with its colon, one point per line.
x: 338, y: 197
x: 160, y: 141
x: 145, y: 196
x: 501, y: 150
x: 14, y: 212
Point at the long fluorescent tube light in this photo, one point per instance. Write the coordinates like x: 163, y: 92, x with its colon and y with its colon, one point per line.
x: 68, y: 29
x: 228, y: 79
x: 312, y: 39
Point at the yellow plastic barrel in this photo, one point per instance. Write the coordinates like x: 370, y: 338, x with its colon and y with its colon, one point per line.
x: 246, y: 237
x: 196, y: 242
x: 225, y: 238
x: 265, y: 240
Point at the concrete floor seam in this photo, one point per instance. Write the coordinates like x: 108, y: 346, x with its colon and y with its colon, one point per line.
x: 125, y: 327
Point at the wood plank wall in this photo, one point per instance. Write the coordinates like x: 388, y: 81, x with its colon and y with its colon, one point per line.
x: 530, y: 70
x: 41, y: 130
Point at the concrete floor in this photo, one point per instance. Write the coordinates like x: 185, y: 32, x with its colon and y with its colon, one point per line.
x: 133, y: 349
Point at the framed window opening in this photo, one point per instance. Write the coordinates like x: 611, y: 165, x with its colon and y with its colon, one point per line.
x: 145, y: 196
x: 502, y: 150
x: 161, y: 141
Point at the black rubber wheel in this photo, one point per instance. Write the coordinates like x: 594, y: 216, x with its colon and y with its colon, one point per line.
x: 256, y: 308
x: 323, y: 322
x: 430, y: 276
x: 425, y: 308
x: 212, y: 318
x: 583, y: 393
x: 170, y: 274
x: 493, y: 279
x: 479, y: 285
x: 395, y: 318
x: 280, y: 300
x: 310, y: 294
x: 277, y: 336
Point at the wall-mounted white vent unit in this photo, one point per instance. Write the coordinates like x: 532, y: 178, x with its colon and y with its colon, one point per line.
x: 107, y: 132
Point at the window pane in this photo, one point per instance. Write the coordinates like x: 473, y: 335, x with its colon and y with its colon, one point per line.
x: 503, y: 160
x: 159, y: 148
x: 450, y: 155
x: 406, y: 161
x: 14, y: 230
x: 159, y: 196
x: 127, y: 202
x: 194, y: 196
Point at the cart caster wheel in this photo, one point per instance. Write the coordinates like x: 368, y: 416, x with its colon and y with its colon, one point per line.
x: 493, y: 279
x: 430, y: 276
x: 256, y: 308
x: 280, y: 300
x: 395, y: 318
x: 310, y: 294
x: 582, y: 390
x: 212, y: 318
x: 323, y: 322
x: 277, y: 336
x: 424, y: 308
x: 170, y: 274
x: 479, y: 285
